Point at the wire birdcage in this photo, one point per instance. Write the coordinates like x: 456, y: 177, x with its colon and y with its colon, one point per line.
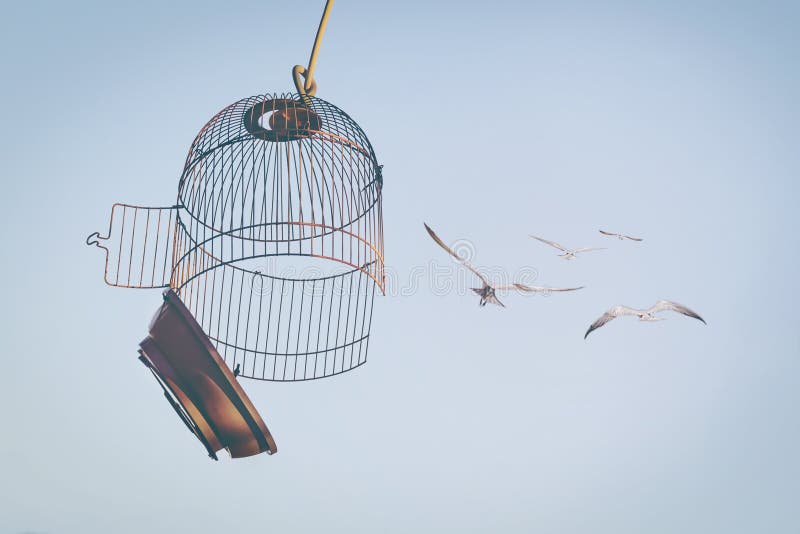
x: 275, y: 243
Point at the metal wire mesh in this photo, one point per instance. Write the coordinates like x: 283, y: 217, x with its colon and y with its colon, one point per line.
x: 276, y: 241
x: 142, y: 258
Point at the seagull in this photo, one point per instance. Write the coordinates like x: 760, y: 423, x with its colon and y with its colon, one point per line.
x: 620, y: 236
x: 644, y: 315
x: 567, y: 253
x: 487, y: 291
x: 236, y: 370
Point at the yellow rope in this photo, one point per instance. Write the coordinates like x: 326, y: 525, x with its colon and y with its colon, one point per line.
x: 309, y: 87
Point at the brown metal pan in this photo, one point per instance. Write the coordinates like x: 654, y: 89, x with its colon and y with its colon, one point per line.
x: 200, y: 386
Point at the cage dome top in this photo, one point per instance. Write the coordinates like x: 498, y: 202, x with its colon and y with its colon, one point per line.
x: 267, y: 166
x: 277, y: 117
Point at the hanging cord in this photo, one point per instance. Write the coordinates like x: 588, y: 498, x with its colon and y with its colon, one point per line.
x: 309, y: 87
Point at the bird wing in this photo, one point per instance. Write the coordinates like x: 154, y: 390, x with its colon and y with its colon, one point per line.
x: 608, y: 233
x: 612, y: 313
x: 531, y: 289
x: 492, y: 299
x: 662, y: 305
x: 551, y: 243
x: 632, y: 238
x: 587, y: 249
x: 603, y: 319
x: 461, y: 260
x: 511, y: 287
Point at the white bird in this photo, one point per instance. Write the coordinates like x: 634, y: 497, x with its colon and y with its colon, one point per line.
x: 644, y: 315
x: 620, y: 236
x: 487, y: 291
x: 568, y: 254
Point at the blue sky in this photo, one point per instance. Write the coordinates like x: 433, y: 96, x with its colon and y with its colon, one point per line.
x: 677, y: 121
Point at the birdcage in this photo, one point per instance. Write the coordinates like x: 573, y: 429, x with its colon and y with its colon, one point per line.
x: 270, y: 258
x: 275, y: 243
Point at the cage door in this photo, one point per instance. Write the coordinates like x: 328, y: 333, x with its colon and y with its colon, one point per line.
x: 139, y: 246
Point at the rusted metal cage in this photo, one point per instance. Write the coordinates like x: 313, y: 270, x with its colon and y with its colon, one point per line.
x: 275, y: 243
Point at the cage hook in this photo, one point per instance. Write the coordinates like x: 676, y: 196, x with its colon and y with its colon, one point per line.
x: 300, y: 75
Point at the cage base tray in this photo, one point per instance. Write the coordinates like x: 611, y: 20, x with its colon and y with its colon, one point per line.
x: 200, y: 386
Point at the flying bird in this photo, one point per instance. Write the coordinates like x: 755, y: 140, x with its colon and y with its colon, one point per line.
x: 568, y: 254
x: 487, y: 291
x: 236, y: 370
x: 620, y: 236
x: 644, y: 315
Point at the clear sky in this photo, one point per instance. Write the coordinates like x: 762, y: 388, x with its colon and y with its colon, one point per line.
x: 676, y: 121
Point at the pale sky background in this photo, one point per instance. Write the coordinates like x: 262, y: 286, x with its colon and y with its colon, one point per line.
x: 677, y: 121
